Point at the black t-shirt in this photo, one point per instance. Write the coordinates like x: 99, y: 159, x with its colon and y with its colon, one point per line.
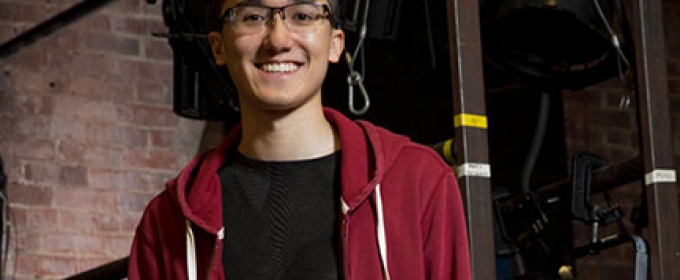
x: 281, y: 218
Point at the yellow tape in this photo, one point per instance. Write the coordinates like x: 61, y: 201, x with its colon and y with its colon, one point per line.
x: 470, y: 120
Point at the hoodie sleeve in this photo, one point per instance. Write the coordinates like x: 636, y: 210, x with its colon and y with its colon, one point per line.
x: 446, y: 244
x: 145, y: 263
x: 158, y: 249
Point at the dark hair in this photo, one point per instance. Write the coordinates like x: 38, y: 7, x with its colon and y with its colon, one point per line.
x: 215, y: 12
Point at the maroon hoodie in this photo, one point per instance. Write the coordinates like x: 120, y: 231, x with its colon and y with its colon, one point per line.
x: 402, y: 215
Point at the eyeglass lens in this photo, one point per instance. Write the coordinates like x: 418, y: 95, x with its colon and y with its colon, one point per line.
x: 299, y: 17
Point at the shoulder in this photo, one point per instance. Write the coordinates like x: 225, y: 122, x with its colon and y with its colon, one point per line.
x: 422, y: 162
x: 400, y: 149
x: 425, y: 153
x: 160, y: 213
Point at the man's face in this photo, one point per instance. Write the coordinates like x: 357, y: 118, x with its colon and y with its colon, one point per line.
x: 277, y: 68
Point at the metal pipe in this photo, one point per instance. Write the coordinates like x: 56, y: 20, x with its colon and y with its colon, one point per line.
x: 49, y: 26
x: 114, y: 270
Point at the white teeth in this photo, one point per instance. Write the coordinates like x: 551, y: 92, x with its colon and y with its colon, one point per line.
x: 279, y: 67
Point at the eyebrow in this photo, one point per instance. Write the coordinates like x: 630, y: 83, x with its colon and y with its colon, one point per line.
x: 261, y: 2
x: 249, y: 2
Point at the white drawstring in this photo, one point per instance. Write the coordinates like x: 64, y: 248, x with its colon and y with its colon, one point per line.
x: 382, y: 241
x: 343, y: 206
x: 191, y: 250
x: 191, y: 253
x: 380, y: 233
x: 220, y: 234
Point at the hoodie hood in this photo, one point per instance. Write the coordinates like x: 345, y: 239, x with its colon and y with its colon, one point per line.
x: 368, y: 149
x: 197, y: 189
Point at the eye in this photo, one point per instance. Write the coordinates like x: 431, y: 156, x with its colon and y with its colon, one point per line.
x: 252, y: 17
x: 251, y: 14
x: 304, y: 13
x: 303, y: 16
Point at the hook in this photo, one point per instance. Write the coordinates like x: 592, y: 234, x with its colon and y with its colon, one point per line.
x: 355, y: 79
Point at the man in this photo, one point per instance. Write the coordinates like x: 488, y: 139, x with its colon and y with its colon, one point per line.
x: 298, y: 191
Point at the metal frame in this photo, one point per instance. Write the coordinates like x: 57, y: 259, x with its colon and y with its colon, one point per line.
x: 50, y: 26
x: 654, y: 129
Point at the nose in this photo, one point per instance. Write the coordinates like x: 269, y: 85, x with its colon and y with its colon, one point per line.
x: 279, y: 37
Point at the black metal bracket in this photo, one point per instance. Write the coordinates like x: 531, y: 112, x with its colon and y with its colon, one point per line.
x: 50, y: 26
x: 114, y: 270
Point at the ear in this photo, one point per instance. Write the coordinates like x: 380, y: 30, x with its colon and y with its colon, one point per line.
x: 337, y: 45
x: 217, y: 46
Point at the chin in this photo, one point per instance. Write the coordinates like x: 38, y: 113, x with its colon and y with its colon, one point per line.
x: 272, y: 104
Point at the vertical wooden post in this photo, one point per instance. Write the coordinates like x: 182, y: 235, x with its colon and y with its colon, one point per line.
x: 655, y: 145
x: 471, y: 132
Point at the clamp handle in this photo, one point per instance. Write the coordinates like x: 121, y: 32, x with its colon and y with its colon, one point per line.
x: 582, y: 166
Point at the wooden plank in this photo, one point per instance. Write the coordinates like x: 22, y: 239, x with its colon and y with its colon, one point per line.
x: 470, y: 132
x: 655, y: 145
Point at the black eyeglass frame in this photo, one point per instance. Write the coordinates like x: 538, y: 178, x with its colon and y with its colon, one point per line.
x: 272, y: 11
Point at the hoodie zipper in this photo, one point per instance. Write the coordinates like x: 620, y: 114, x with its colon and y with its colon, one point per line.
x: 214, y: 256
x: 344, y: 247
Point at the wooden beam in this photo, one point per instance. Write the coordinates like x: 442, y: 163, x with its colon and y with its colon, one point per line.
x: 655, y: 144
x: 471, y: 132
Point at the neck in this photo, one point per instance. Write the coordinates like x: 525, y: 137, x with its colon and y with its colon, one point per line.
x: 290, y: 135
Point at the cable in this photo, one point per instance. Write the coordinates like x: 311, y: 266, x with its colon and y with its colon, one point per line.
x: 615, y: 38
x: 536, y: 143
x: 355, y: 78
x: 625, y: 100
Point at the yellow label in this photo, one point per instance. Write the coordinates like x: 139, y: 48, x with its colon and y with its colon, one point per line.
x: 470, y: 120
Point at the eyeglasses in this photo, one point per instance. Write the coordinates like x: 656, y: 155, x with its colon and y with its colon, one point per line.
x: 299, y: 17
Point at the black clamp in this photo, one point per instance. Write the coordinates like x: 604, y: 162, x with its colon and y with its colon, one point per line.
x: 582, y: 208
x: 582, y: 166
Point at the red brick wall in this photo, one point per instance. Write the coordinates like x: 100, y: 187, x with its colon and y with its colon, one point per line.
x: 596, y: 123
x: 87, y: 133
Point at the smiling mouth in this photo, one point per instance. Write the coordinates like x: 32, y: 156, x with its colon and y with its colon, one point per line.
x: 278, y: 68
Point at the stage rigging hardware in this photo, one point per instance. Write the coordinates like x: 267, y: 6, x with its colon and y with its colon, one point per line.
x: 369, y: 19
x: 50, y: 26
x: 549, y: 46
x: 201, y: 89
x: 355, y: 78
x: 558, y: 44
x: 595, y: 216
